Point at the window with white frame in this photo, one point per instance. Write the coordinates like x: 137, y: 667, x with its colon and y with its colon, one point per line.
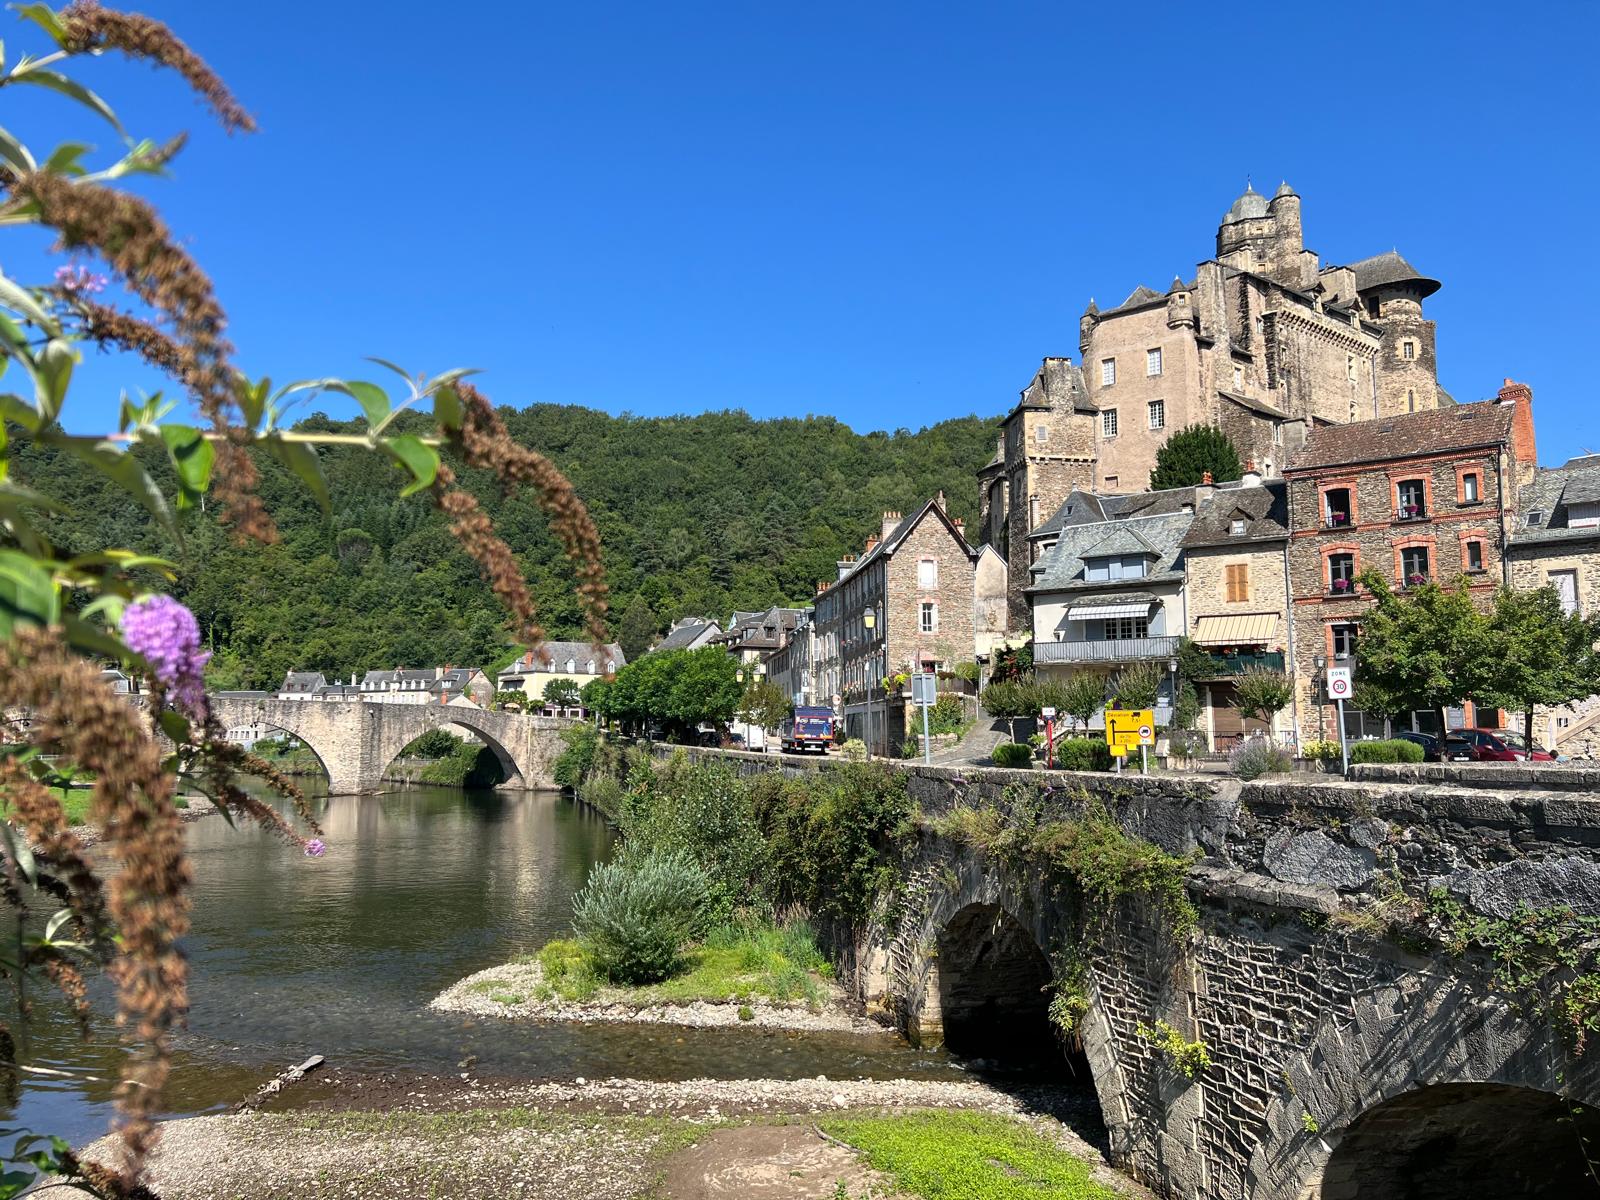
x: 1469, y: 488
x: 1158, y: 414
x: 1108, y: 423
x: 1108, y: 372
x: 1152, y: 362
x: 572, y: 666
x: 1566, y: 586
x: 1123, y: 628
x: 1041, y: 434
x: 1474, y: 556
x: 1408, y: 350
x: 929, y: 617
x: 927, y: 573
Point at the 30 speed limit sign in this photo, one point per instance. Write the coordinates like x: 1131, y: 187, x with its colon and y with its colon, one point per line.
x: 1339, y: 683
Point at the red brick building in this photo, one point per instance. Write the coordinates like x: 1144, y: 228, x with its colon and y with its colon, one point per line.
x: 1424, y: 497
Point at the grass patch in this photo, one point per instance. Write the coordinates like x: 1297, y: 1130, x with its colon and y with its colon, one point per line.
x: 758, y: 961
x: 74, y: 802
x: 969, y: 1156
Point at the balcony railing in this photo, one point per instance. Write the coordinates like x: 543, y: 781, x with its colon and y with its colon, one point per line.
x: 1411, y: 512
x: 1238, y: 664
x: 1337, y: 520
x: 1112, y: 650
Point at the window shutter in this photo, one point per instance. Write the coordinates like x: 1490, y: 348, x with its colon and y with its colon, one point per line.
x: 1238, y: 582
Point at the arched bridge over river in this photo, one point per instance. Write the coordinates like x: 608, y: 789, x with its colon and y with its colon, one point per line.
x: 1356, y: 1050
x: 356, y: 741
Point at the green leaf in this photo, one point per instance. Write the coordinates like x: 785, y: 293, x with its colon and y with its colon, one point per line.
x: 21, y: 853
x: 64, y: 158
x: 53, y: 372
x: 192, y: 455
x: 16, y: 154
x: 373, y: 399
x: 252, y: 399
x: 17, y: 410
x: 13, y: 295
x: 447, y: 408
x: 417, y: 457
x: 175, y: 725
x: 27, y: 592
x: 46, y: 18
x: 303, y: 460
x: 57, y: 919
x: 122, y: 469
x: 93, y: 639
x: 67, y: 86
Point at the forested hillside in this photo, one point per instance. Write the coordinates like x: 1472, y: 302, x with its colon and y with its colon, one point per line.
x: 697, y: 514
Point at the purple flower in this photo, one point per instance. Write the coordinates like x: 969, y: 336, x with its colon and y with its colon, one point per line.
x: 80, y: 280
x: 316, y: 848
x: 165, y: 634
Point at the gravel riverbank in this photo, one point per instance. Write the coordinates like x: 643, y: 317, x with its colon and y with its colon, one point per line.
x: 512, y: 991
x: 198, y: 806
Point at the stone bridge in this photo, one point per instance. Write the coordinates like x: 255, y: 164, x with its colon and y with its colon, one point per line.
x: 1352, y: 1055
x: 355, y: 741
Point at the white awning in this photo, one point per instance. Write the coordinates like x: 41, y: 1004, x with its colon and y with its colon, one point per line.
x: 1102, y: 612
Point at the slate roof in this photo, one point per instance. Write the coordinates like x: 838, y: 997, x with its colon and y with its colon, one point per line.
x: 1061, y: 568
x: 687, y: 631
x: 899, y: 534
x: 1408, y: 435
x: 303, y: 681
x: 1254, y: 405
x: 1387, y: 268
x: 553, y: 656
x: 378, y: 679
x: 1056, y: 383
x: 1265, y: 509
x: 1122, y: 539
x: 1550, y: 493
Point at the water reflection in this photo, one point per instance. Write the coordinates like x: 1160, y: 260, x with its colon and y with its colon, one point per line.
x: 337, y: 956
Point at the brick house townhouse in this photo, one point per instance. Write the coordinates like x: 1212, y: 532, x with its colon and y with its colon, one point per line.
x: 916, y: 578
x: 1420, y: 497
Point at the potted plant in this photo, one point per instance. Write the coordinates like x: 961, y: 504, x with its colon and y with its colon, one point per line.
x: 1416, y: 580
x: 1341, y: 585
x: 1338, y: 518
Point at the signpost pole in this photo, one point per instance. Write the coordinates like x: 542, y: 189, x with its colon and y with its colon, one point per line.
x: 1144, y: 760
x: 1344, y: 745
x: 927, y: 744
x: 1050, y: 744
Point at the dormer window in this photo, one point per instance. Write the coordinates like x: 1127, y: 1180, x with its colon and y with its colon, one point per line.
x: 1236, y: 527
x: 1536, y: 517
x: 572, y: 666
x: 1102, y: 570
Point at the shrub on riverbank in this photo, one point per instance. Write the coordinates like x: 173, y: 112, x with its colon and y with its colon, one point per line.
x: 750, y: 961
x: 573, y: 763
x: 636, y: 916
x: 1395, y: 750
x: 1083, y: 754
x: 1012, y: 754
x: 467, y: 767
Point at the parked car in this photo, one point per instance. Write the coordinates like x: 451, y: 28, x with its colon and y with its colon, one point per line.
x: 1518, y: 743
x: 1429, y: 743
x: 1494, y: 745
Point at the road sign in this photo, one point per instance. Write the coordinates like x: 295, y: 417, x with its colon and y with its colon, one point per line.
x: 1339, y: 683
x: 1134, y: 728
x: 925, y: 689
x: 1048, y: 714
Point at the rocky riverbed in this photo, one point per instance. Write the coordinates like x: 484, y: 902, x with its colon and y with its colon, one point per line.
x: 518, y: 991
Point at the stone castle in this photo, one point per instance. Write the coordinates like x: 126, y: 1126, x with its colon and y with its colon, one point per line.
x: 1263, y: 342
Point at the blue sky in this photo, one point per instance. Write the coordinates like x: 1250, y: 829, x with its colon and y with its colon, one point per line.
x: 884, y: 212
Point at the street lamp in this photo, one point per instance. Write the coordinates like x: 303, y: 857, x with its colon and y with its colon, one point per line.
x: 869, y: 621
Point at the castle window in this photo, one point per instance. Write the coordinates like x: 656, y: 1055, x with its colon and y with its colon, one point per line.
x: 1277, y: 433
x: 1411, y: 400
x: 1158, y: 414
x: 1238, y: 377
x: 1041, y: 433
x: 1111, y: 483
x: 1408, y: 350
x: 1108, y: 423
x: 1350, y: 367
x: 1108, y: 372
x: 1152, y: 362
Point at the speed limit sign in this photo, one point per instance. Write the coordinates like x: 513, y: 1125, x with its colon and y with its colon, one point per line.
x: 1339, y: 683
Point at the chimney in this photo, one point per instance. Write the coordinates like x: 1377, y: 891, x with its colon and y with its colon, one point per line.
x: 890, y: 520
x: 872, y: 542
x: 1252, y: 477
x: 939, y: 499
x: 1204, y: 490
x: 845, y: 563
x: 822, y: 586
x: 527, y: 659
x: 1522, y: 447
x: 961, y: 527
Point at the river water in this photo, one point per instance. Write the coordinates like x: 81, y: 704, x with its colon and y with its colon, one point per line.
x: 339, y: 956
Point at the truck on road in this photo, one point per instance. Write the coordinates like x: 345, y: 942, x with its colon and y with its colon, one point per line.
x: 810, y: 729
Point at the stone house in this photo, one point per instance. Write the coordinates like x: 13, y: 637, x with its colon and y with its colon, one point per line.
x: 917, y: 577
x: 990, y: 617
x: 791, y: 667
x: 1262, y: 341
x: 1419, y: 497
x: 1555, y: 542
x: 301, y: 685
x: 399, y: 686
x: 752, y: 636
x: 577, y: 662
x: 689, y: 633
x: 1237, y: 581
x: 458, y: 685
x: 1108, y: 587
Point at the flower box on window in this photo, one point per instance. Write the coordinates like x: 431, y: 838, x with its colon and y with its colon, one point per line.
x: 1416, y: 580
x: 1338, y: 518
x: 1342, y: 585
x: 1410, y: 512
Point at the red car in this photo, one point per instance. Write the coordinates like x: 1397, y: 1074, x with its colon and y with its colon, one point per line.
x: 1490, y: 745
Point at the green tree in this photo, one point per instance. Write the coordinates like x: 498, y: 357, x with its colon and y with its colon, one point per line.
x: 638, y: 630
x: 1263, y: 694
x: 1419, y: 649
x: 1537, y: 654
x: 1083, y: 695
x: 1187, y: 455
x: 562, y: 693
x: 764, y: 704
x: 1009, y: 700
x: 1137, y: 685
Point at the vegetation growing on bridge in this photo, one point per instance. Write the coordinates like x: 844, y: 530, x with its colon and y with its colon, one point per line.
x: 1188, y: 1058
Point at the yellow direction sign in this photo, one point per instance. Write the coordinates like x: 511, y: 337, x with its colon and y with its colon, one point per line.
x: 1125, y: 729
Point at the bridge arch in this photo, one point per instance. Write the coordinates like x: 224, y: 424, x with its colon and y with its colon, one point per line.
x: 1431, y: 1057
x: 355, y: 741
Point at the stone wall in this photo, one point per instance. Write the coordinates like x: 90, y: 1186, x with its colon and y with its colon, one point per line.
x: 953, y: 593
x: 1312, y: 1015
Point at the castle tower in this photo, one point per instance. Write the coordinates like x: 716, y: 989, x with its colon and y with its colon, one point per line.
x: 1180, y: 306
x: 1392, y: 292
x: 1086, y: 324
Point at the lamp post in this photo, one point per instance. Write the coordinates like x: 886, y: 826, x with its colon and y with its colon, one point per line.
x: 869, y: 621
